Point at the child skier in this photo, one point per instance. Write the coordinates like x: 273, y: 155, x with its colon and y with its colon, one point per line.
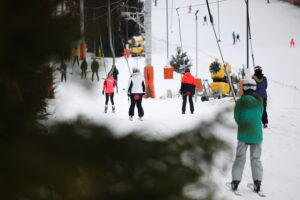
x: 292, y: 43
x: 247, y: 114
x: 108, y: 88
x: 136, y: 90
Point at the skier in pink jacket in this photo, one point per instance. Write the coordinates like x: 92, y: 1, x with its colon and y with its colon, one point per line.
x: 108, y: 88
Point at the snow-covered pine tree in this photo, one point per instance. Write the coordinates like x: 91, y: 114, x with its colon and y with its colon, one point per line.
x: 180, y: 61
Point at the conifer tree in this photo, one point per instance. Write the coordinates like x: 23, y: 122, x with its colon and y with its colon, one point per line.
x: 180, y: 61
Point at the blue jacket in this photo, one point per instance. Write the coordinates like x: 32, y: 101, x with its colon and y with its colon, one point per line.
x: 261, y: 87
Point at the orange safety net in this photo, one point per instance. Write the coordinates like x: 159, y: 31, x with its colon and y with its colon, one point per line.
x: 168, y: 72
x: 149, y: 81
x: 198, y: 84
x: 82, y: 50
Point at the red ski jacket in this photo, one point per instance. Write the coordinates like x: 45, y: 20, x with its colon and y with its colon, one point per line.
x: 188, y: 83
x: 109, y: 85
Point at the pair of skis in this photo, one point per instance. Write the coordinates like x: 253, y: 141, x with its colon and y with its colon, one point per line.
x: 249, y: 185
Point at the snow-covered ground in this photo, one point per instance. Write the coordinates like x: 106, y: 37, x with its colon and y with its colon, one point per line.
x: 272, y: 27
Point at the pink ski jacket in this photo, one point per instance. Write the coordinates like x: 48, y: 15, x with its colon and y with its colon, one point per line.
x: 109, y: 85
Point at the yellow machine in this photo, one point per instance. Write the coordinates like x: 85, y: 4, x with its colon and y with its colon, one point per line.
x: 220, y: 83
x: 136, y: 44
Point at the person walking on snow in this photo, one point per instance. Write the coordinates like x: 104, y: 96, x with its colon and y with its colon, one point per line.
x: 238, y: 37
x: 187, y: 90
x: 108, y: 88
x: 292, y: 43
x: 63, y: 71
x: 83, y: 68
x: 190, y: 8
x: 95, y: 68
x: 204, y: 20
x: 76, y: 56
x: 233, y: 37
x: 247, y: 114
x: 261, y: 90
x: 136, y: 90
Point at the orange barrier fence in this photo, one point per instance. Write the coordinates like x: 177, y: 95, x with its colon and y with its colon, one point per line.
x: 198, y: 84
x: 149, y: 81
x: 126, y: 53
x: 168, y: 72
x: 82, y: 50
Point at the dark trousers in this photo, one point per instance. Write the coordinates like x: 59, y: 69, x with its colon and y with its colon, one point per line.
x: 83, y: 74
x: 76, y: 59
x: 264, y: 117
x: 138, y: 104
x: 96, y: 75
x: 111, y: 96
x: 64, y: 76
x: 184, y: 97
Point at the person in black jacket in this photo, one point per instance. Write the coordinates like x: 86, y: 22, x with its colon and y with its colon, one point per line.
x: 83, y: 67
x: 63, y: 71
x: 95, y: 68
x: 115, y: 75
x: 187, y: 90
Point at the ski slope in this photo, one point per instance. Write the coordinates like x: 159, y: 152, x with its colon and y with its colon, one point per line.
x: 272, y: 27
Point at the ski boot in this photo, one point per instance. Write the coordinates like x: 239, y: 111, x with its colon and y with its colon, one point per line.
x: 141, y: 118
x: 257, y: 185
x: 234, y: 185
x: 265, y: 125
x: 131, y: 118
x: 113, y: 109
x: 105, y: 109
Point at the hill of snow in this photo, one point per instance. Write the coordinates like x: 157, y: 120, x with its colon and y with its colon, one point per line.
x: 272, y: 26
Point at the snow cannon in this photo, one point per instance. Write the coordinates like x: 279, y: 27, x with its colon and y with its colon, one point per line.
x: 136, y: 43
x: 220, y: 83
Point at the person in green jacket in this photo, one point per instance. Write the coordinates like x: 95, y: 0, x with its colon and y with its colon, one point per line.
x: 247, y: 114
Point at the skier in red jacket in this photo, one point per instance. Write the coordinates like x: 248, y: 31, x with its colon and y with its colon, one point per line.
x: 187, y: 89
x: 292, y: 43
x: 108, y: 88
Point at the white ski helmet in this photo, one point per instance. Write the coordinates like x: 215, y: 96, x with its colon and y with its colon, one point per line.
x: 249, y: 84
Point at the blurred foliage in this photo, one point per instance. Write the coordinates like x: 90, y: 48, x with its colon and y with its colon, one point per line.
x: 77, y: 159
x: 30, y: 37
x: 80, y: 160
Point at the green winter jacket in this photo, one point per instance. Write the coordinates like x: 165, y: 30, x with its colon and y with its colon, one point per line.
x: 247, y: 114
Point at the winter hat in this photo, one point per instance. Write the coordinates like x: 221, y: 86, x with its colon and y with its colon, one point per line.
x: 258, y: 68
x: 249, y: 84
x: 187, y: 69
